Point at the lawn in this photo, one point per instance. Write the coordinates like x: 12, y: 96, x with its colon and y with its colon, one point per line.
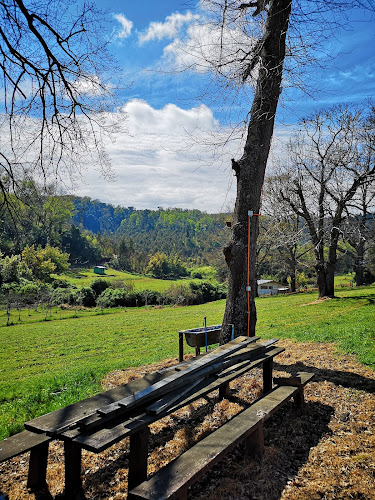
x: 84, y: 277
x: 48, y: 364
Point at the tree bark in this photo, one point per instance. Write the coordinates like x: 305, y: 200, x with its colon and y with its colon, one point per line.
x: 250, y: 170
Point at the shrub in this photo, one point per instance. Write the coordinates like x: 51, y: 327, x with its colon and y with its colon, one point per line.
x: 98, y: 286
x: 86, y: 297
x: 61, y: 296
x: 115, y: 298
x: 206, y: 291
x: 180, y: 294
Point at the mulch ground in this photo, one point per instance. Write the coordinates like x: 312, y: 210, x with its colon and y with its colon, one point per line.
x: 328, y: 452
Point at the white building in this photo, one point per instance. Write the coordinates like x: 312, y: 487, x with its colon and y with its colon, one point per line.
x: 270, y: 287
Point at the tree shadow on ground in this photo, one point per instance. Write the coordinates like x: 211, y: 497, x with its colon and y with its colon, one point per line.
x: 370, y: 298
x: 289, y: 437
x: 348, y: 380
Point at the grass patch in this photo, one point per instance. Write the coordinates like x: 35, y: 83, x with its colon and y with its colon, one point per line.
x: 84, y: 277
x: 48, y: 364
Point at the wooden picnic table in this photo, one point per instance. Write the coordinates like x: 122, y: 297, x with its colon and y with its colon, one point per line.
x: 127, y: 411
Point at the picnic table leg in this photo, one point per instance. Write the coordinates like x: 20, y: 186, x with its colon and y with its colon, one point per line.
x: 180, y: 347
x: 224, y: 391
x: 73, y: 483
x: 255, y: 442
x: 267, y: 375
x: 36, y: 479
x: 299, y: 399
x: 138, y: 458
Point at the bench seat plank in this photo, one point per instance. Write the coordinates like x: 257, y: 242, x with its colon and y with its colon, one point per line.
x: 182, y: 472
x: 20, y: 443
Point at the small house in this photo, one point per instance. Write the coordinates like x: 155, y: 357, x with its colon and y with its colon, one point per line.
x: 270, y: 287
x: 99, y: 270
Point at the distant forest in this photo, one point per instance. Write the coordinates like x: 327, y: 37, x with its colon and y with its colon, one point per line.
x: 193, y: 236
x: 164, y: 243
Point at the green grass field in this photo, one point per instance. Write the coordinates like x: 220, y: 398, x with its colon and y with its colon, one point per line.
x: 48, y: 364
x: 84, y: 277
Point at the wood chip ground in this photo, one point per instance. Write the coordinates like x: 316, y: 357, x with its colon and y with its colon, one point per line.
x: 326, y: 453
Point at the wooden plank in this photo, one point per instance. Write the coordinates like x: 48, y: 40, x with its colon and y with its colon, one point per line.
x: 293, y: 381
x: 138, y: 457
x: 54, y: 422
x: 167, y: 401
x: 267, y: 375
x: 36, y: 479
x: 190, y: 466
x: 73, y: 482
x: 255, y: 442
x: 174, y: 381
x: 20, y: 443
x: 98, y: 440
x: 61, y: 420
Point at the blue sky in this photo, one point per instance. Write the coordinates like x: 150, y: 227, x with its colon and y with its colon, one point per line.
x: 159, y: 163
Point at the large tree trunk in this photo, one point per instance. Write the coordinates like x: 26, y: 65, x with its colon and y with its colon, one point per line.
x: 250, y: 170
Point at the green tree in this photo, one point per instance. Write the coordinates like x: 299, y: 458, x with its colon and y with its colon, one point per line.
x: 158, y: 265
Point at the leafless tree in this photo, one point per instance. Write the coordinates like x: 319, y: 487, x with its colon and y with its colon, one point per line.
x: 358, y: 228
x: 286, y: 231
x: 53, y: 58
x: 330, y: 159
x: 260, y: 46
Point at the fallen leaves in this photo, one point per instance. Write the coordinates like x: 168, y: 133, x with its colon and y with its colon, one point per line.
x: 328, y: 452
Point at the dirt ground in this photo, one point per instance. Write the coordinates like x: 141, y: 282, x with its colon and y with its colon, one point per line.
x: 328, y: 452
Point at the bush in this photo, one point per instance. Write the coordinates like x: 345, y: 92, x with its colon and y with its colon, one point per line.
x: 123, y: 297
x: 206, y: 291
x: 98, y: 286
x: 180, y: 294
x: 116, y: 298
x: 86, y: 297
x: 61, y: 296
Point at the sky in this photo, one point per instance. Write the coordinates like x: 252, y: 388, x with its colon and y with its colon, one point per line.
x: 172, y: 152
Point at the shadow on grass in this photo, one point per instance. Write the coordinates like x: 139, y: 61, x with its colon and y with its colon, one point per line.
x: 370, y: 298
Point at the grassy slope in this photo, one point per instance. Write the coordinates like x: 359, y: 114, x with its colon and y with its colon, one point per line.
x: 84, y: 277
x: 46, y: 365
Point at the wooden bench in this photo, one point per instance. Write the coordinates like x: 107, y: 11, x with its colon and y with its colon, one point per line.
x: 173, y: 481
x: 37, y: 444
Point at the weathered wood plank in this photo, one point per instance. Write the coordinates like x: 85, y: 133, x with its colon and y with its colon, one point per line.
x: 20, y: 443
x: 54, y: 422
x: 99, y: 440
x: 138, y: 457
x: 85, y: 411
x: 36, y: 478
x: 167, y: 401
x: 206, y: 364
x: 293, y: 381
x: 73, y: 481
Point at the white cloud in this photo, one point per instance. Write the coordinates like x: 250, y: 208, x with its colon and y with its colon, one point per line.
x: 155, y: 167
x: 170, y: 120
x: 167, y: 29
x: 126, y: 26
x: 205, y: 47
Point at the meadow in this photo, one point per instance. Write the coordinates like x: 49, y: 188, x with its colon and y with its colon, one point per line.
x: 84, y: 277
x: 48, y: 364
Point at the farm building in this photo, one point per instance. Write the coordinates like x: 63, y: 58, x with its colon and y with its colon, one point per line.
x: 270, y: 287
x: 99, y: 269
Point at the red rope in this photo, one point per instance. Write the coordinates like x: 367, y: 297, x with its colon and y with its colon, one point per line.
x: 248, y: 273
